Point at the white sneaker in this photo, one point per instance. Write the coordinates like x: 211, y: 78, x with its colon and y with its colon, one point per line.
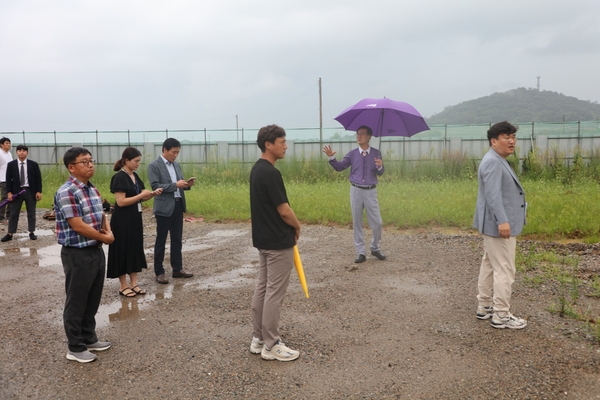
x: 98, y: 346
x: 256, y: 346
x: 81, y: 356
x: 508, y: 321
x: 279, y: 352
x: 485, y: 312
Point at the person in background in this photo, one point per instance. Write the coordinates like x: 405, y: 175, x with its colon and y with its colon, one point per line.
x: 126, y: 254
x: 22, y: 175
x: 499, y: 217
x: 164, y: 173
x: 275, y: 232
x: 366, y: 165
x: 5, y: 158
x: 79, y: 229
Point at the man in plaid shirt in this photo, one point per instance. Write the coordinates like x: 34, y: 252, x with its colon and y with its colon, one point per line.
x: 79, y: 228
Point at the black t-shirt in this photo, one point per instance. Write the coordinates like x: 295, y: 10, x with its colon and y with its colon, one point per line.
x: 267, y: 192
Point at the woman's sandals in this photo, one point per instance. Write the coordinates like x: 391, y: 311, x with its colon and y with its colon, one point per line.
x: 127, y: 292
x: 137, y: 290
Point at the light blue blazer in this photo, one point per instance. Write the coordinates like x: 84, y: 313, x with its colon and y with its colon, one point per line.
x: 500, y: 198
x: 159, y: 177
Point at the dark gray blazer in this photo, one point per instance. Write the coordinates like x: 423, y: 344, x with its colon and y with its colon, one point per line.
x: 159, y: 177
x: 500, y: 198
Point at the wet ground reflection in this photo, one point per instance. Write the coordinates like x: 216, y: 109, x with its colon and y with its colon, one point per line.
x: 23, y: 251
x: 49, y: 256
x: 128, y: 309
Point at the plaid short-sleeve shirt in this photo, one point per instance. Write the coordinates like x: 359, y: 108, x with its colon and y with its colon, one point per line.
x: 76, y: 199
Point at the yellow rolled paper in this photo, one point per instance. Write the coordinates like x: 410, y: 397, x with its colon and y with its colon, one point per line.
x: 300, y: 270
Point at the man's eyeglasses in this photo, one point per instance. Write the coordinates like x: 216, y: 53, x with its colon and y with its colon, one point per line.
x: 86, y: 162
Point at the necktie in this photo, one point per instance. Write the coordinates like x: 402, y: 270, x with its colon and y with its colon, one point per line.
x: 364, y: 153
x: 22, y: 174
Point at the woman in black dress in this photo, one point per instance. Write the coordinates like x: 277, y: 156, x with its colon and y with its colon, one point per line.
x: 126, y: 254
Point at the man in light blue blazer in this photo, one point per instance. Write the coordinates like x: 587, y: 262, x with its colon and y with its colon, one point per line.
x: 165, y: 173
x: 499, y: 217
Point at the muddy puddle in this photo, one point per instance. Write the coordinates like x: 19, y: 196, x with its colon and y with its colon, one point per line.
x: 123, y: 309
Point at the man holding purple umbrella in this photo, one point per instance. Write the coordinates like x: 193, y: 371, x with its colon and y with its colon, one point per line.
x: 366, y: 165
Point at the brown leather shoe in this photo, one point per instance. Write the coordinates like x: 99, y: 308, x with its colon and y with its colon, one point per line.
x: 181, y: 274
x: 162, y: 279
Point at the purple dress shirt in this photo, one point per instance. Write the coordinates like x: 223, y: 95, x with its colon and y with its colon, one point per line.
x: 364, y: 172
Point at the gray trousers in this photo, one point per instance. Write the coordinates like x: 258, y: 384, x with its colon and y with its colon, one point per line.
x: 275, y: 267
x: 14, y: 208
x: 365, y: 199
x: 84, y: 281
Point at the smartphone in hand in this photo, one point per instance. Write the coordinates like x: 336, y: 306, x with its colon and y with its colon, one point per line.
x: 104, y: 223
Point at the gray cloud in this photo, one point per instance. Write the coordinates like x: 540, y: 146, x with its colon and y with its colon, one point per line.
x: 184, y: 64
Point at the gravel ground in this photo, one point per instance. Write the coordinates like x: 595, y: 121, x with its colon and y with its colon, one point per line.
x: 404, y: 328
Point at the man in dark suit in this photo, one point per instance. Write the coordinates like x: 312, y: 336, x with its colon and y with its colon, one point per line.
x: 165, y: 173
x: 22, y: 175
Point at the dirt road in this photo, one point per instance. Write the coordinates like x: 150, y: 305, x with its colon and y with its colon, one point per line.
x: 404, y: 328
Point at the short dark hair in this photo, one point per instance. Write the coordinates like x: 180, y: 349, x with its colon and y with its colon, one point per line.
x: 4, y: 140
x: 72, y: 154
x: 170, y: 143
x: 128, y: 154
x: 269, y: 133
x: 22, y: 147
x: 500, y: 128
x: 369, y: 130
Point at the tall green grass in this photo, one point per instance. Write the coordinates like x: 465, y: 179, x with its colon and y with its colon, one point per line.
x: 423, y: 193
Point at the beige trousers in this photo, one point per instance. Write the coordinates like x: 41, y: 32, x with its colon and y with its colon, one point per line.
x: 275, y: 268
x: 497, y: 273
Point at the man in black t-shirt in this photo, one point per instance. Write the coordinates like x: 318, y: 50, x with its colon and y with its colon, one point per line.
x: 275, y: 231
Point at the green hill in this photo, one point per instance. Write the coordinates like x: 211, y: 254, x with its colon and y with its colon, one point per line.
x: 519, y: 105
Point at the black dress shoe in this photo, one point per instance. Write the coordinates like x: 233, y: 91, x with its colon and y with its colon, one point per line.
x: 32, y: 236
x: 162, y: 279
x: 360, y: 258
x: 181, y: 274
x: 378, y: 254
x: 6, y: 238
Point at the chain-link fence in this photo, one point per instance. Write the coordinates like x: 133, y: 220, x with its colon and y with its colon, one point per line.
x: 239, y: 145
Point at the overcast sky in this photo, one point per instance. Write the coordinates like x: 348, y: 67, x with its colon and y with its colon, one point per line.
x: 192, y: 64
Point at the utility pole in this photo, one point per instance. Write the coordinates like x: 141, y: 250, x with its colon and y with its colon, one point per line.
x: 538, y: 85
x: 320, y: 116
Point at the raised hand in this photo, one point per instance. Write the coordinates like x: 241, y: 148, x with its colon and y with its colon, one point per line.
x: 327, y: 150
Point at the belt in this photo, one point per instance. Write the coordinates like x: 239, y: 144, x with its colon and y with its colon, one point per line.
x: 94, y: 246
x: 363, y: 187
x: 177, y: 198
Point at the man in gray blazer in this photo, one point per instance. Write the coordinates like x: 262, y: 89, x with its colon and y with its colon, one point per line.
x: 165, y: 173
x: 500, y: 217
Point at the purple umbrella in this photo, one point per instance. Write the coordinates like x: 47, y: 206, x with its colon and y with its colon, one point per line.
x: 385, y: 117
x: 5, y: 202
